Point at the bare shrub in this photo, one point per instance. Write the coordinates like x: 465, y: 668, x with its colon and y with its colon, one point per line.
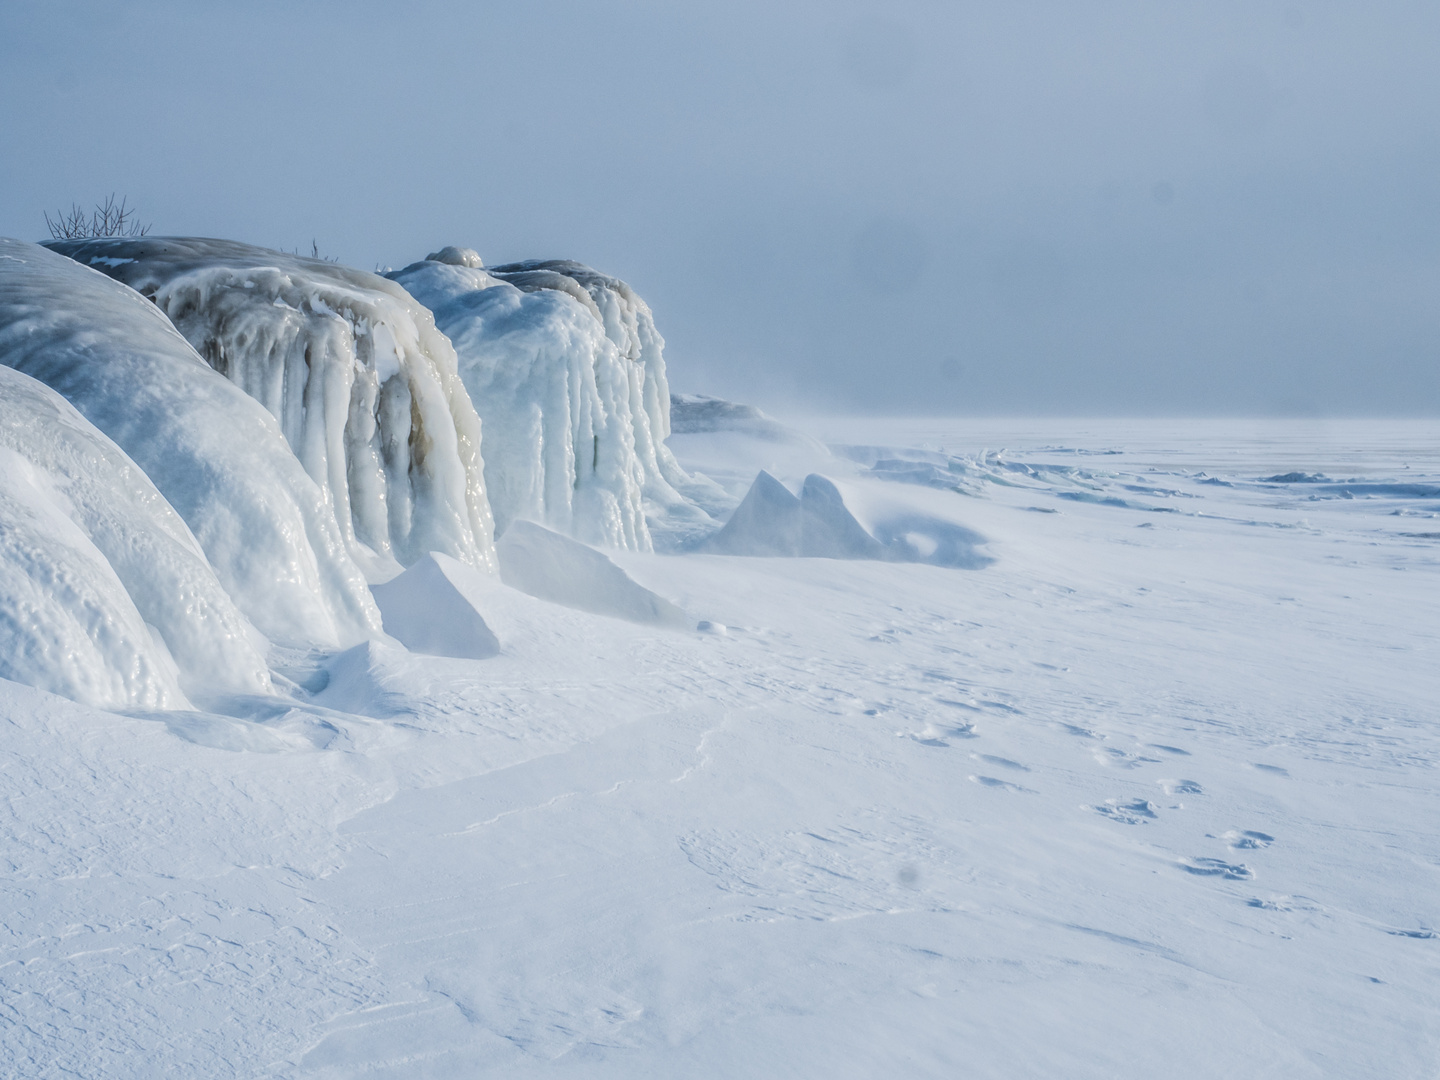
x: 108, y: 219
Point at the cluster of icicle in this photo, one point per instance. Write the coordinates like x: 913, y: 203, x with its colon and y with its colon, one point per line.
x: 363, y: 385
x: 567, y: 371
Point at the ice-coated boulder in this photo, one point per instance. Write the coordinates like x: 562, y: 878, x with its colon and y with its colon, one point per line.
x: 141, y: 537
x: 567, y: 370
x: 363, y: 385
x: 214, y: 453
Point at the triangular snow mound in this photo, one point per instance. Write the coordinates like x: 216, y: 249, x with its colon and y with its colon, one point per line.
x: 433, y: 608
x: 564, y: 571
x: 363, y: 385
x: 842, y: 521
x: 215, y: 454
x: 138, y: 533
x: 67, y: 625
x: 567, y: 371
x: 768, y: 521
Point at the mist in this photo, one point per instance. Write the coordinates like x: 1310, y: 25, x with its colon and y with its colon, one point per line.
x: 928, y: 208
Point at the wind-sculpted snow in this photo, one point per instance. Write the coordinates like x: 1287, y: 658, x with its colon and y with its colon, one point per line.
x: 137, y: 532
x: 66, y: 623
x: 216, y: 455
x: 364, y: 386
x: 567, y: 369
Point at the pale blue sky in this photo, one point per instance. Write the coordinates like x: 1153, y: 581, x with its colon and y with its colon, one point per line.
x: 929, y: 207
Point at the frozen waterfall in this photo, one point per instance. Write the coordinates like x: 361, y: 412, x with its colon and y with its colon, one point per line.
x: 215, y: 455
x: 364, y: 387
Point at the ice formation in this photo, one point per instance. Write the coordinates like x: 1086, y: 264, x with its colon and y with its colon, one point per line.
x: 831, y: 521
x: 553, y: 567
x: 67, y: 624
x: 216, y: 455
x: 365, y: 388
x: 136, y: 531
x: 567, y: 370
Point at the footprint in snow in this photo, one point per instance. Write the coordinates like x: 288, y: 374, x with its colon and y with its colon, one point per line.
x: 1423, y: 935
x: 1135, y: 812
x: 1003, y: 762
x: 1247, y: 839
x: 1082, y: 732
x: 1180, y: 787
x: 1218, y: 868
x: 1276, y: 769
x: 1125, y: 760
x: 990, y: 781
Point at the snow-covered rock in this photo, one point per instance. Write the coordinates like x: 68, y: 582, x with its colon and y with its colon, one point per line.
x: 567, y: 369
x: 215, y: 454
x: 363, y: 384
x: 553, y: 567
x: 137, y: 532
x: 850, y: 521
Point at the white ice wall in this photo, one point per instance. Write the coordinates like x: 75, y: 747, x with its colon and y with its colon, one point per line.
x: 215, y: 454
x: 363, y: 385
x: 138, y: 534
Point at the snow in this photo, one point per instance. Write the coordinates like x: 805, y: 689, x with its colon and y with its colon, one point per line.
x: 1151, y: 793
x: 142, y: 542
x: 553, y: 567
x: 363, y: 385
x: 434, y: 607
x: 215, y: 455
x: 567, y: 371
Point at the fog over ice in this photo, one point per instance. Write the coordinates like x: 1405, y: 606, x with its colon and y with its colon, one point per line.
x: 926, y: 207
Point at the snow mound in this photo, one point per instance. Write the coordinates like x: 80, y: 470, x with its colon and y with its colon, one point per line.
x: 215, y: 455
x: 697, y: 414
x: 834, y: 522
x: 364, y: 386
x: 433, y: 608
x: 553, y: 567
x: 138, y: 533
x: 567, y: 369
x: 67, y: 624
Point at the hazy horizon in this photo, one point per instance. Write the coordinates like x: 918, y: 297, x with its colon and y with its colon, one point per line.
x: 915, y: 208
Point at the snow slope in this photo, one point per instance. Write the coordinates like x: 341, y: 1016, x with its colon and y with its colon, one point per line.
x: 363, y: 385
x: 138, y: 535
x: 1151, y: 794
x: 216, y: 456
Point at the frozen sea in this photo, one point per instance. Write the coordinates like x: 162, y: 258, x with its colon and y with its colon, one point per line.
x: 1149, y: 790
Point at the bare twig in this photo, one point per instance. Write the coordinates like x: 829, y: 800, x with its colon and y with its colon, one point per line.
x: 109, y: 219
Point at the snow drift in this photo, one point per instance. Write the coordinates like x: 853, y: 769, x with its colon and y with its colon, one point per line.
x: 136, y: 532
x: 567, y: 370
x: 364, y: 386
x: 564, y: 571
x: 433, y: 608
x: 831, y: 522
x: 215, y: 455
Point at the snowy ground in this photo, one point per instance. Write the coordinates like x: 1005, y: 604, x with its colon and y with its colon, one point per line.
x: 1151, y: 794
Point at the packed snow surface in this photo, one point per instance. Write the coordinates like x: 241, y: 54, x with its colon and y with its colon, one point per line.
x: 139, y: 535
x: 218, y: 458
x: 363, y: 385
x: 568, y: 372
x: 1153, y: 793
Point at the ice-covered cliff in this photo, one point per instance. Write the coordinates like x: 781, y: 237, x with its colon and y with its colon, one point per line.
x: 567, y: 369
x: 218, y: 458
x: 364, y: 387
x: 58, y: 462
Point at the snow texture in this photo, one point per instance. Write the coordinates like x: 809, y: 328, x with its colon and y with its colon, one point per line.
x: 433, y: 608
x: 553, y: 567
x: 138, y: 534
x: 567, y: 369
x: 853, y: 522
x: 216, y: 455
x: 363, y: 385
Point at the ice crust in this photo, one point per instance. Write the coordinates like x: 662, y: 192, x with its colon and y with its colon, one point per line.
x: 364, y: 386
x: 131, y: 526
x: 215, y: 454
x: 568, y: 372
